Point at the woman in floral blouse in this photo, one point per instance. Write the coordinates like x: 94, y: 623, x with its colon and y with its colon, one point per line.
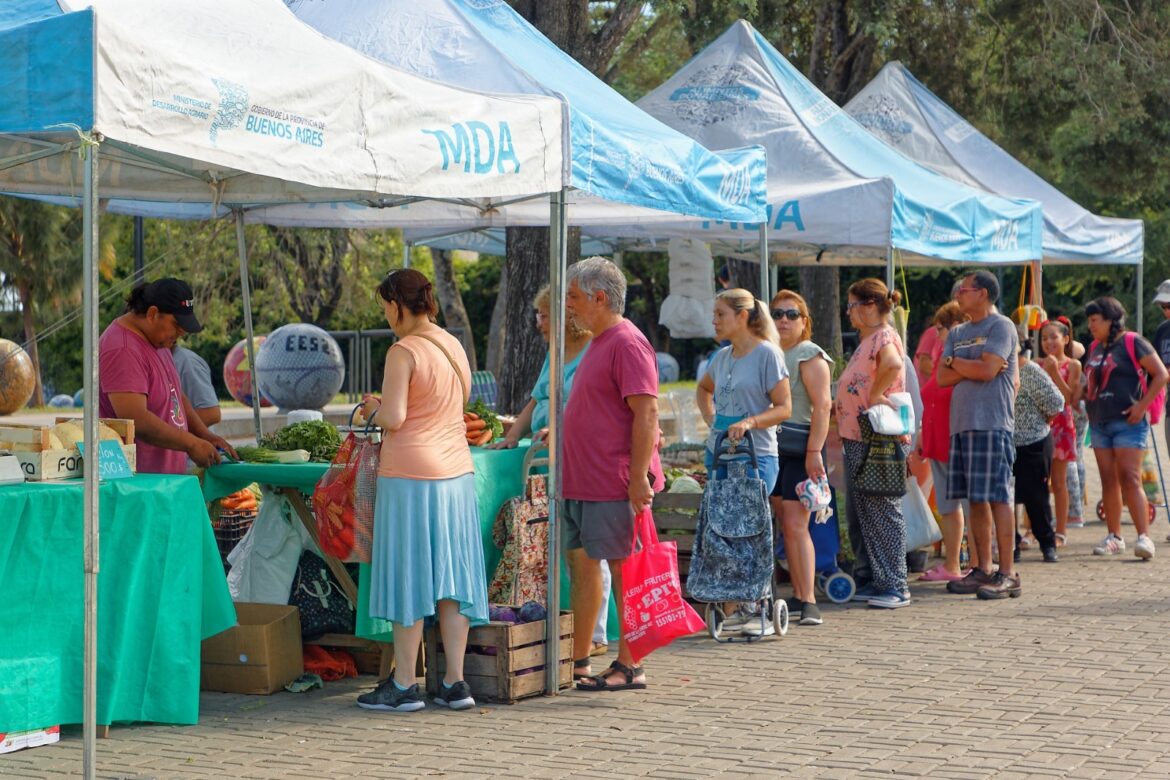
x: 877, y: 529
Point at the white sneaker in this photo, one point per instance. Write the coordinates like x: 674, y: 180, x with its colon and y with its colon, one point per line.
x: 1144, y: 547
x: 752, y: 627
x: 736, y: 620
x: 1110, y: 545
x: 1078, y: 523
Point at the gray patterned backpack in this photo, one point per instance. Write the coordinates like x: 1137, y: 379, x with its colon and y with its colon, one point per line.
x: 732, y: 556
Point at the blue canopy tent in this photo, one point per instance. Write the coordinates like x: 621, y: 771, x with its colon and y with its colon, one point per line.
x: 900, y: 110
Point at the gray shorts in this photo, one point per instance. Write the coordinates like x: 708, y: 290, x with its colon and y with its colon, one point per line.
x: 938, y: 471
x: 604, y: 529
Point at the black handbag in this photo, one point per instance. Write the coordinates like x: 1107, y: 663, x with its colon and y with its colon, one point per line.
x: 792, y: 439
x: 323, y: 605
x: 882, y: 471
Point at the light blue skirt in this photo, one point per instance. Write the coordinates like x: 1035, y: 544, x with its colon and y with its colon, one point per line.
x: 427, y: 548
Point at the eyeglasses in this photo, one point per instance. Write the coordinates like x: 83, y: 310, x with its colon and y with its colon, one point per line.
x: 1164, y: 305
x: 849, y: 306
x: 967, y: 289
x: 792, y: 314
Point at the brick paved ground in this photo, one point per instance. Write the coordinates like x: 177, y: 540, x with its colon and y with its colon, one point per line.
x: 1071, y: 680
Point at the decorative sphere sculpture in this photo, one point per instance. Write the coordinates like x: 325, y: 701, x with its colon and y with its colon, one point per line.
x: 237, y: 372
x: 17, y: 378
x: 61, y: 401
x: 300, y: 366
x: 79, y: 398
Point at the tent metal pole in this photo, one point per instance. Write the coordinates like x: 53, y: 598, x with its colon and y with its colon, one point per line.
x: 90, y: 464
x: 558, y: 260
x: 1038, y: 299
x: 765, y: 273
x: 890, y: 267
x: 249, y: 344
x: 406, y: 254
x: 1139, y: 304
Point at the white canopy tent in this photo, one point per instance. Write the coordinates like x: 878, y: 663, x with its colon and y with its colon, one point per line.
x: 900, y: 110
x: 227, y: 103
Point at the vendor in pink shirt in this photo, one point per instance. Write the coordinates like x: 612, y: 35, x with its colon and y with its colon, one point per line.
x: 138, y: 380
x: 611, y: 467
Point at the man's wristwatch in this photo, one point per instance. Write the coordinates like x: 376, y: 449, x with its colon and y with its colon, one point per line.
x: 948, y: 360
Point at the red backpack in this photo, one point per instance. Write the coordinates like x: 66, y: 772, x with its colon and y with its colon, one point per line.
x: 1159, y: 402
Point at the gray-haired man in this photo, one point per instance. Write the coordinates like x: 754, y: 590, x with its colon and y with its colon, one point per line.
x: 611, y: 466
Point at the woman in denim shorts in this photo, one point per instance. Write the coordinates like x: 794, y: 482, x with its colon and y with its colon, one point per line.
x: 1124, y: 375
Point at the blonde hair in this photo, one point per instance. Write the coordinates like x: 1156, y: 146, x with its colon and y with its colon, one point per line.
x: 759, y: 320
x: 949, y: 315
x: 542, y: 301
x: 801, y: 306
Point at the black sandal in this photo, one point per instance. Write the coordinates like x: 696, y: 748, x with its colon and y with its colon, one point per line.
x: 599, y: 683
x: 581, y: 663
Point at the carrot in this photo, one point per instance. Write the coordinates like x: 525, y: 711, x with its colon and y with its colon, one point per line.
x: 486, y: 438
x: 476, y: 425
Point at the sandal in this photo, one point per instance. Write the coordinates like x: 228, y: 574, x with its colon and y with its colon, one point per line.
x: 581, y: 663
x: 1061, y: 540
x: 597, y: 682
x: 599, y: 648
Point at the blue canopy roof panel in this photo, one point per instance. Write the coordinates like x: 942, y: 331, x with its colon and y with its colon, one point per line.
x: 618, y: 153
x: 46, y: 68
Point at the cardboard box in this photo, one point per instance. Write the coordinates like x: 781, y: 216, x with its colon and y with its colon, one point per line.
x: 260, y: 655
x: 41, y: 462
x: 19, y: 740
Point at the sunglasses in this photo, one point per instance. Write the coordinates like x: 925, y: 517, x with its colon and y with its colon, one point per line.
x: 1164, y: 305
x: 792, y: 314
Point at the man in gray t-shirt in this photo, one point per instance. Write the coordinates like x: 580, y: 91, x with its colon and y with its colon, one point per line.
x: 195, y: 378
x: 979, y: 361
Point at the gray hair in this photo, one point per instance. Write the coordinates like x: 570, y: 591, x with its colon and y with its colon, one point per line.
x: 596, y: 274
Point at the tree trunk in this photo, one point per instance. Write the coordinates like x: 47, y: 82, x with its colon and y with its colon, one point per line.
x: 30, y: 337
x: 497, y: 340
x: 821, y: 287
x: 454, y: 313
x: 528, y: 271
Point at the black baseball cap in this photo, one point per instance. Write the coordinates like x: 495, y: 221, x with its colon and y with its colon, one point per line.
x: 174, y: 296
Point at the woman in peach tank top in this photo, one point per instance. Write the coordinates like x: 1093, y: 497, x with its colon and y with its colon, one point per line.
x: 427, y: 555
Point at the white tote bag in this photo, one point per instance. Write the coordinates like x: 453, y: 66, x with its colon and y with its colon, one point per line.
x: 921, y: 528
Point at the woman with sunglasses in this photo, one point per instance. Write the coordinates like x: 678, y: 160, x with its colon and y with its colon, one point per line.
x: 801, y: 443
x: 744, y: 392
x: 877, y: 529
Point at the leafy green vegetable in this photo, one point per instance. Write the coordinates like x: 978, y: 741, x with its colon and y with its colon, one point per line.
x: 481, y: 410
x: 318, y: 437
x: 256, y: 454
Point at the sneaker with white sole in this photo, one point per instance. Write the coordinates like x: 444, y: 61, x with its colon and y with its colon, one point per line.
x: 1144, y: 547
x: 890, y: 599
x: 864, y: 593
x: 754, y: 628
x: 389, y: 697
x: 1110, y: 545
x: 810, y: 614
x: 1075, y: 523
x: 456, y: 696
x: 736, y: 620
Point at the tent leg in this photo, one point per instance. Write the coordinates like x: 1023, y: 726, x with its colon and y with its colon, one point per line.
x: 558, y: 260
x: 1038, y: 299
x: 90, y: 337
x: 890, y: 267
x: 1140, y: 303
x: 249, y: 346
x: 765, y: 271
x: 406, y: 254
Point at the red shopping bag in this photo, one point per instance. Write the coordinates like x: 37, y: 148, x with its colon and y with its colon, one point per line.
x: 654, y: 613
x: 343, y: 501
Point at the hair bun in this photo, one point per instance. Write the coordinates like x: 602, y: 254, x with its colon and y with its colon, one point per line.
x: 895, y: 297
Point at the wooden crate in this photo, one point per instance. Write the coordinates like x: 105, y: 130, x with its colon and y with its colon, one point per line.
x: 40, y: 462
x: 675, y: 516
x: 516, y: 671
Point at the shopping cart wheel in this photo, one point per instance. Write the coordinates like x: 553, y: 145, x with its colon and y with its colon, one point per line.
x: 1151, y: 510
x: 820, y: 583
x: 714, y: 617
x: 780, y: 616
x: 839, y: 587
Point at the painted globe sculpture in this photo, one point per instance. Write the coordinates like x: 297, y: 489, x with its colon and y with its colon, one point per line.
x: 237, y: 372
x: 61, y: 401
x: 17, y: 378
x: 79, y: 398
x: 299, y: 366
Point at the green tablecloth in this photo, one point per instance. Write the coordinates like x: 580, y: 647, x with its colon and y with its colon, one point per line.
x: 497, y: 479
x: 161, y: 590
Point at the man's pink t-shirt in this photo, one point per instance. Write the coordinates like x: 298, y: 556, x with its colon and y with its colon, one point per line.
x: 129, y: 364
x: 598, y: 422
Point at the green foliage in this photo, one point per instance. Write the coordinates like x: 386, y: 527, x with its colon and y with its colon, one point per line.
x: 317, y: 437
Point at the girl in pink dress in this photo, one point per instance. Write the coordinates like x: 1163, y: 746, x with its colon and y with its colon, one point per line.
x: 1056, y: 343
